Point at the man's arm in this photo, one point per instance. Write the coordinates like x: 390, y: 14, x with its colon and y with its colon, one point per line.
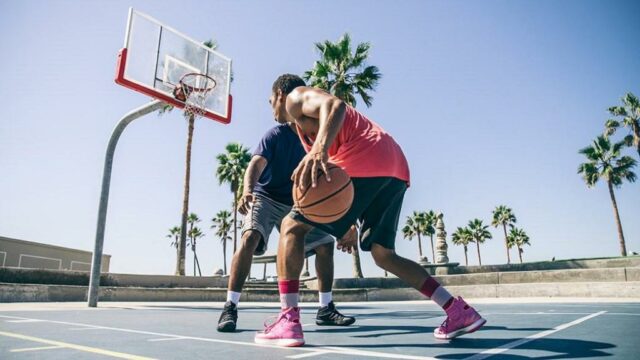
x: 252, y: 174
x: 310, y: 104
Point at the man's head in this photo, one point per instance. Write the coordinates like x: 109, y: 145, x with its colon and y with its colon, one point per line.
x: 283, y: 85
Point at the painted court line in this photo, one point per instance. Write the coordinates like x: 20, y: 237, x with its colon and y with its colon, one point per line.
x: 167, y: 339
x: 337, y: 350
x: 506, y: 347
x: 75, y: 346
x: 40, y: 348
x: 23, y: 321
x: 309, y: 354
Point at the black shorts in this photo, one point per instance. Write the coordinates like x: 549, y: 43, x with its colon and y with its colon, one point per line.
x: 377, y: 202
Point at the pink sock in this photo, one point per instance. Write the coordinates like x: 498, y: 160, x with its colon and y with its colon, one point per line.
x: 289, y: 293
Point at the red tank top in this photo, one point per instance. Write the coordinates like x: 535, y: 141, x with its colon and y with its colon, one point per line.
x: 363, y: 149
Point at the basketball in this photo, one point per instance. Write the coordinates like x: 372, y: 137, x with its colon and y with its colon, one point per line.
x: 328, y: 201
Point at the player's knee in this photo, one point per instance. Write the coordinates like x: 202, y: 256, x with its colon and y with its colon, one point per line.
x: 382, y: 256
x: 250, y: 240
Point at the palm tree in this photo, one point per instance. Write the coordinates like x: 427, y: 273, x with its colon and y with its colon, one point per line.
x: 192, y: 220
x: 231, y: 167
x: 194, y: 234
x: 518, y: 238
x: 212, y: 44
x: 223, y: 225
x: 343, y: 73
x: 430, y: 219
x: 174, y: 235
x: 462, y: 236
x: 630, y: 114
x: 480, y: 234
x: 415, y: 226
x: 605, y: 162
x: 503, y: 216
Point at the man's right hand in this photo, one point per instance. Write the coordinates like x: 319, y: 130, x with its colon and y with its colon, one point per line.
x: 245, y: 203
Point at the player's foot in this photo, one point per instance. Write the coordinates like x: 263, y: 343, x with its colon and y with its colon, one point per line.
x: 461, y: 319
x: 285, y: 331
x: 329, y: 316
x: 228, y: 318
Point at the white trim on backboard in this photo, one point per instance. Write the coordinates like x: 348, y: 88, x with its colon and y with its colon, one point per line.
x: 170, y: 59
x: 4, y: 258
x: 175, y: 31
x: 128, y: 31
x: 39, y: 257
x: 79, y: 262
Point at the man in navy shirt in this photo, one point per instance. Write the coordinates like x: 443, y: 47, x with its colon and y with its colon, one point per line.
x: 266, y: 200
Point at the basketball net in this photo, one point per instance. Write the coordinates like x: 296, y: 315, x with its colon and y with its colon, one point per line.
x: 196, y: 89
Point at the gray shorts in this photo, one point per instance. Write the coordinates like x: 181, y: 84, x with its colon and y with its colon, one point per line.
x: 265, y: 214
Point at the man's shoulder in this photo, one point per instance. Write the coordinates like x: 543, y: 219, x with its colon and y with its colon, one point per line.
x: 278, y: 130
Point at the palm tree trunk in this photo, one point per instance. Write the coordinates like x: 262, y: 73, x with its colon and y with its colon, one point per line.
x: 224, y: 254
x: 623, y: 247
x: 520, y: 253
x: 479, y: 259
x: 195, y: 258
x: 420, y: 246
x: 466, y: 260
x: 357, y: 268
x: 235, y: 221
x: 194, y: 262
x: 185, y: 202
x: 433, y: 251
x: 506, y: 243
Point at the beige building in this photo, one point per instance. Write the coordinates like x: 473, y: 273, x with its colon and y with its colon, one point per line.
x: 32, y: 255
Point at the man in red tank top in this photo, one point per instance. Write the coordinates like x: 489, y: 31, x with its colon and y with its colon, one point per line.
x: 330, y: 130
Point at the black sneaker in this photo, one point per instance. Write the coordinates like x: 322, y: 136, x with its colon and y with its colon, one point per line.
x: 228, y: 318
x: 329, y: 316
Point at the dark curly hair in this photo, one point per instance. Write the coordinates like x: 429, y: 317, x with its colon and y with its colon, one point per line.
x: 287, y: 83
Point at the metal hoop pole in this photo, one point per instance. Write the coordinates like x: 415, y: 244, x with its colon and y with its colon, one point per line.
x: 96, y: 262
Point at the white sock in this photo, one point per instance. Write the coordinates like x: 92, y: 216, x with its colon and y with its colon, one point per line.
x: 289, y: 300
x: 233, y: 296
x: 325, y: 298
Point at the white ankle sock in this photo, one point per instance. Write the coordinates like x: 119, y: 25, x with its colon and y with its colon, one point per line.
x: 233, y: 296
x: 325, y: 298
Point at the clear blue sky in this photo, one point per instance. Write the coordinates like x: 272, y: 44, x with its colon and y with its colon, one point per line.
x: 491, y: 102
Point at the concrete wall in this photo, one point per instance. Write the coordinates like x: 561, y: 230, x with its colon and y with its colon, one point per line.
x: 595, y: 263
x: 31, y: 255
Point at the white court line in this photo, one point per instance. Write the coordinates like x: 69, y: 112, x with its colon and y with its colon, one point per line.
x: 167, y: 339
x: 37, y: 348
x: 309, y: 354
x: 506, y: 347
x: 23, y: 321
x: 84, y: 328
x: 336, y: 350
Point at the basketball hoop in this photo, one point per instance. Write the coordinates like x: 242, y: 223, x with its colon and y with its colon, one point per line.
x: 194, y: 89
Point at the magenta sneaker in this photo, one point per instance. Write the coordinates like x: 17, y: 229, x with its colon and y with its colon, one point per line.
x: 285, y: 331
x: 461, y: 319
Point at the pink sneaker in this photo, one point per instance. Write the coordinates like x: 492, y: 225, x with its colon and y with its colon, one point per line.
x: 285, y: 331
x: 461, y: 319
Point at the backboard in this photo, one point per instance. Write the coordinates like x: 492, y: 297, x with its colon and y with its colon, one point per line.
x: 155, y: 57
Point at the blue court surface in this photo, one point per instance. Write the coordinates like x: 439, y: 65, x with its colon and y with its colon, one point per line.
x: 531, y: 329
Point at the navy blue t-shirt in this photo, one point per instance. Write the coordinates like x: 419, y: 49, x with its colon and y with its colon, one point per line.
x: 283, y: 151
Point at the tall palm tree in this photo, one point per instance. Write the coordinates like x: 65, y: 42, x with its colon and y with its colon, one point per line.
x: 415, y: 226
x: 518, y: 238
x: 503, y: 216
x: 629, y: 113
x: 605, y: 162
x: 192, y: 220
x: 480, y: 234
x: 182, y: 245
x: 222, y: 224
x: 194, y: 234
x: 231, y: 167
x: 344, y: 73
x: 462, y: 236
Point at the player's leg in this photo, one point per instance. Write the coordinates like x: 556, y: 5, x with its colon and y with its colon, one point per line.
x: 321, y: 243
x: 380, y: 224
x: 287, y: 330
x: 257, y: 226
